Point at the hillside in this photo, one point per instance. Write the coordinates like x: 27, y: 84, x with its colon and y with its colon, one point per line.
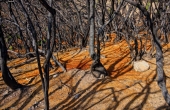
x: 77, y: 89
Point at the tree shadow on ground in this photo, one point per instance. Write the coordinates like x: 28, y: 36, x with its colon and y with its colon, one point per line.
x: 86, y: 92
x: 84, y: 98
x: 76, y: 100
x: 122, y: 69
x: 23, y: 96
x: 164, y: 107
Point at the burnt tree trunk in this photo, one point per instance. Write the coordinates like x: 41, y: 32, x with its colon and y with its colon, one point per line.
x: 97, y: 69
x: 159, y: 53
x: 6, y: 74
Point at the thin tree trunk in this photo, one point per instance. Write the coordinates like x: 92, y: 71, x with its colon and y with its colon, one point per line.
x: 92, y: 30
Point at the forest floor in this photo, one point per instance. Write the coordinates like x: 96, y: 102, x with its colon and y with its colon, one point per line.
x: 77, y: 89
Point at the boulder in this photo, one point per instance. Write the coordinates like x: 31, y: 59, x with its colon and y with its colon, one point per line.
x: 141, y: 66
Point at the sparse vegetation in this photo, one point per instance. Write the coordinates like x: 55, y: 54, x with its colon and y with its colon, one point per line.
x: 43, y: 29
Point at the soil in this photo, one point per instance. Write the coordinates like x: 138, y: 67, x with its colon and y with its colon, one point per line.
x: 78, y: 89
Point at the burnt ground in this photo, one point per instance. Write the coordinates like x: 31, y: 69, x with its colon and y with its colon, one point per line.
x: 77, y: 89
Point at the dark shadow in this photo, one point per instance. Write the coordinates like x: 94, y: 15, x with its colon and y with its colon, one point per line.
x: 60, y: 86
x: 21, y: 73
x: 119, y: 71
x: 30, y: 97
x: 164, y: 107
x: 24, y: 93
x: 123, y: 67
x: 23, y: 63
x: 82, y: 99
x: 80, y: 65
x: 140, y: 106
x: 34, y: 93
x: 72, y: 102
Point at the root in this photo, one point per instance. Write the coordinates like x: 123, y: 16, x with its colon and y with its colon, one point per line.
x: 98, y: 70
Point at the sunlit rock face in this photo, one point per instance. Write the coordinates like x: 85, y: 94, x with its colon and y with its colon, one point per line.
x: 141, y: 66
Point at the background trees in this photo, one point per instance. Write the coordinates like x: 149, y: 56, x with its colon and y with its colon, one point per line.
x: 32, y: 28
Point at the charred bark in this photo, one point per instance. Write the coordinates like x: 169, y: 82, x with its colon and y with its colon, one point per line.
x: 159, y: 53
x: 97, y: 69
x: 6, y: 74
